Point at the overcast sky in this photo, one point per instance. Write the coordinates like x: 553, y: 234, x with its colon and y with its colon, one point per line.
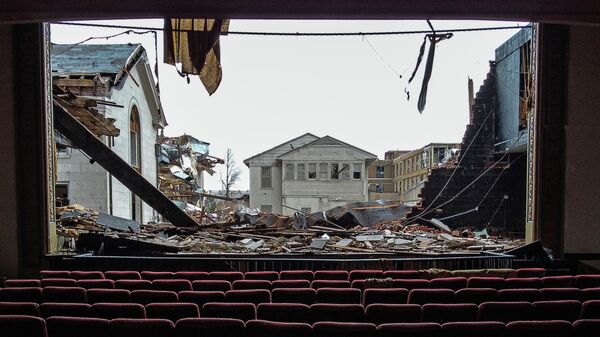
x: 277, y: 88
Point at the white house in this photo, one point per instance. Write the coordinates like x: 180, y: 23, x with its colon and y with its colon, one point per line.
x: 308, y: 173
x: 118, y: 73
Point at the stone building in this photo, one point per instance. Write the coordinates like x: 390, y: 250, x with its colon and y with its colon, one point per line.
x: 119, y: 74
x: 412, y: 168
x: 308, y: 173
x: 381, y: 175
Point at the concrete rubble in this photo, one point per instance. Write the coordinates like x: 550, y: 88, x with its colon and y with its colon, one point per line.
x: 236, y: 229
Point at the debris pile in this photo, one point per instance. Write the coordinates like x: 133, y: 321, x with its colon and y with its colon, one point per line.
x: 361, y: 228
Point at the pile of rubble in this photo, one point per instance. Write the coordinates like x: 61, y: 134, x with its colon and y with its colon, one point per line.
x: 361, y: 228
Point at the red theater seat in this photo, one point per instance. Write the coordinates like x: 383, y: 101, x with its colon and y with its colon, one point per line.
x: 444, y: 313
x: 518, y: 283
x: 505, y: 311
x: 567, y: 310
x: 563, y: 281
x: 486, y: 282
x: 474, y: 329
x: 284, y: 312
x: 346, y: 329
x: 423, y: 296
x: 530, y: 272
x: 108, y: 296
x: 389, y: 296
x: 590, y: 309
x: 77, y: 327
x: 539, y: 329
x: 122, y: 275
x: 133, y: 284
x: 156, y: 275
x: 254, y: 296
x: 117, y: 310
x: 55, y: 274
x: 129, y: 327
x: 34, y: 295
x: 191, y: 275
x: 22, y: 326
x: 153, y: 296
x: 65, y: 295
x: 296, y: 275
x: 95, y: 284
x: 393, y: 313
x: 221, y: 327
x: 409, y: 330
x: 58, y: 282
x: 172, y: 285
x: 251, y: 284
x: 172, y: 311
x: 338, y: 295
x: 261, y: 275
x: 22, y: 283
x: 411, y: 284
x: 364, y: 274
x: 454, y: 283
x: 556, y: 294
x: 587, y: 328
x: 306, y: 296
x: 19, y: 308
x: 476, y: 295
x: 337, y: 312
x: 226, y: 275
x: 515, y: 295
x: 587, y: 281
x: 341, y: 275
x: 316, y: 284
x: 87, y: 275
x: 201, y: 297
x: 211, y: 285
x: 242, y: 311
x: 590, y: 294
x: 261, y: 328
x: 401, y: 274
x: 64, y: 309
x: 290, y: 284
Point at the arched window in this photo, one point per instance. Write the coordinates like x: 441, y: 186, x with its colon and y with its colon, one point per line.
x: 135, y: 159
x: 135, y: 140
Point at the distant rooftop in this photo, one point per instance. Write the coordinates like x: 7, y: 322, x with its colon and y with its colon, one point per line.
x: 85, y: 59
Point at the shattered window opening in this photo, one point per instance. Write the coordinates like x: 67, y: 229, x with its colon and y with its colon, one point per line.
x: 357, y: 171
x: 380, y: 171
x: 335, y: 171
x: 312, y: 171
x: 345, y: 172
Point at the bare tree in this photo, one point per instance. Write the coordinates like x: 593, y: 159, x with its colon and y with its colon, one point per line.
x: 232, y: 173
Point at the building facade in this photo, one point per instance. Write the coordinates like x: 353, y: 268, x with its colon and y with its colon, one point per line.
x: 412, y: 168
x: 382, y: 175
x: 120, y: 74
x: 308, y: 173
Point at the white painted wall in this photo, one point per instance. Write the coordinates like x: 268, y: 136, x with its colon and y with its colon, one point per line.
x: 86, y: 182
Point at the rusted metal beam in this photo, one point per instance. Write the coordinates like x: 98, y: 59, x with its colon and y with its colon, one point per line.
x: 119, y: 168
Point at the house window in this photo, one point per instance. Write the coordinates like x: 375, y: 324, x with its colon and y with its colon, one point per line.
x: 322, y: 171
x: 135, y: 159
x: 266, y: 208
x: 357, y: 170
x: 312, y: 171
x: 380, y: 171
x: 289, y: 171
x: 265, y: 177
x: 335, y: 172
x: 62, y: 194
x: 300, y: 174
x: 345, y: 171
x: 306, y: 210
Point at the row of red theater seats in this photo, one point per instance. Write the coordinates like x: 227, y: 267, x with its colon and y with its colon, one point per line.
x: 29, y: 326
x: 297, y: 295
x: 580, y: 281
x: 259, y: 275
x: 301, y: 313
